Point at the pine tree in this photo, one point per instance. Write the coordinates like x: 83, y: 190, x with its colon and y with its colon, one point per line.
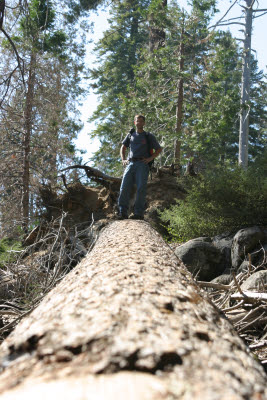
x: 190, y: 91
x: 38, y: 120
x: 164, y: 81
x: 213, y: 110
x: 118, y: 54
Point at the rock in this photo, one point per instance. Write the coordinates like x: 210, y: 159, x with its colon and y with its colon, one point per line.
x: 255, y: 281
x: 258, y: 256
x: 224, y: 279
x: 201, y: 258
x: 224, y: 244
x: 243, y: 267
x: 202, y: 239
x: 245, y: 241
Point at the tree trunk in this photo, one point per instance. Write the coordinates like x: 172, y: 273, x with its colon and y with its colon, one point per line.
x: 133, y: 35
x: 128, y: 322
x: 53, y: 135
x: 179, y: 105
x: 26, y: 142
x: 245, y: 89
x: 2, y: 12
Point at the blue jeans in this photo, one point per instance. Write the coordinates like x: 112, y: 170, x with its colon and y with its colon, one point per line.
x: 135, y: 172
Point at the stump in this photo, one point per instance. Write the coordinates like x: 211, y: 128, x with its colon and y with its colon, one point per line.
x: 129, y: 322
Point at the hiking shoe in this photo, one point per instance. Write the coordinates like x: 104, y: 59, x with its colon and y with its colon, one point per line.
x: 122, y: 216
x: 135, y: 216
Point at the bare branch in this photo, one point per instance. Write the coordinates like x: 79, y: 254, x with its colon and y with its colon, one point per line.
x: 231, y: 23
x: 214, y: 285
x: 258, y: 16
x: 258, y: 345
x: 252, y: 4
x: 13, y: 8
x: 7, y: 82
x: 214, y: 26
x: 252, y: 323
x: 237, y: 284
x: 250, y: 296
x: 16, y: 52
x: 95, y: 175
x: 232, y: 19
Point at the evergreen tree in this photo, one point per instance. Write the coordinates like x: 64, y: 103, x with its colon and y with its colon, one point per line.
x: 209, y: 107
x: 38, y: 120
x: 165, y: 82
x: 257, y: 141
x: 213, y: 108
x: 118, y: 54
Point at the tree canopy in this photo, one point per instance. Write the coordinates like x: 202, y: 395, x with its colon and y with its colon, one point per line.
x: 187, y: 85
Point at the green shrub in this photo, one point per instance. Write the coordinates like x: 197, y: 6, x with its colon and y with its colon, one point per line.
x: 8, y: 247
x: 221, y: 200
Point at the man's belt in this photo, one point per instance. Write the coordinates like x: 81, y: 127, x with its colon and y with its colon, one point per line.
x: 136, y: 159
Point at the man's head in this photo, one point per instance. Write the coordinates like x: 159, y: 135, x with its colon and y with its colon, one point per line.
x: 139, y: 121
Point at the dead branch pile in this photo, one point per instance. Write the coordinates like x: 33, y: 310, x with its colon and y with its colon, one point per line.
x: 54, y: 251
x: 247, y: 310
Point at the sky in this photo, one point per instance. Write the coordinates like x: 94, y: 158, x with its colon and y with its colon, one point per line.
x: 100, y: 20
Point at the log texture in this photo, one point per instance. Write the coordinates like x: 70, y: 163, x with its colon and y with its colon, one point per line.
x: 128, y: 322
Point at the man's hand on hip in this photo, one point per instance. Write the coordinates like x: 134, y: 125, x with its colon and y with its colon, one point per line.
x: 125, y: 162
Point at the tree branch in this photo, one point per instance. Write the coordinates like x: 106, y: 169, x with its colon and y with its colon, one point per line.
x: 258, y: 16
x: 13, y: 8
x: 250, y: 296
x: 7, y: 82
x: 231, y: 23
x: 96, y: 175
x: 252, y: 4
x: 16, y: 52
x: 231, y: 19
x: 214, y: 26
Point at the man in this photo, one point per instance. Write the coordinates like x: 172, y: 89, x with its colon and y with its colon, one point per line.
x: 137, y: 168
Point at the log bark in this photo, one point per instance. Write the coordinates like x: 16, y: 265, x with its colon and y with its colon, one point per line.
x: 128, y: 322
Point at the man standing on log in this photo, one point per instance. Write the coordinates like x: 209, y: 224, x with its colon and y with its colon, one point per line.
x: 141, y: 145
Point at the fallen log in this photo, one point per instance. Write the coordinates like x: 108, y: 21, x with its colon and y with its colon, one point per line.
x: 128, y: 322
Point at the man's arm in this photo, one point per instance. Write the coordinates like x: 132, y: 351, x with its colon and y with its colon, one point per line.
x: 123, y: 155
x: 154, y: 155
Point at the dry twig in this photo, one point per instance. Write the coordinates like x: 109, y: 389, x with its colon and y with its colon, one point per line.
x: 40, y: 266
x: 247, y: 310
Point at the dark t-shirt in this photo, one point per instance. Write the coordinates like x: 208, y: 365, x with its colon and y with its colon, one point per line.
x: 138, y: 144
